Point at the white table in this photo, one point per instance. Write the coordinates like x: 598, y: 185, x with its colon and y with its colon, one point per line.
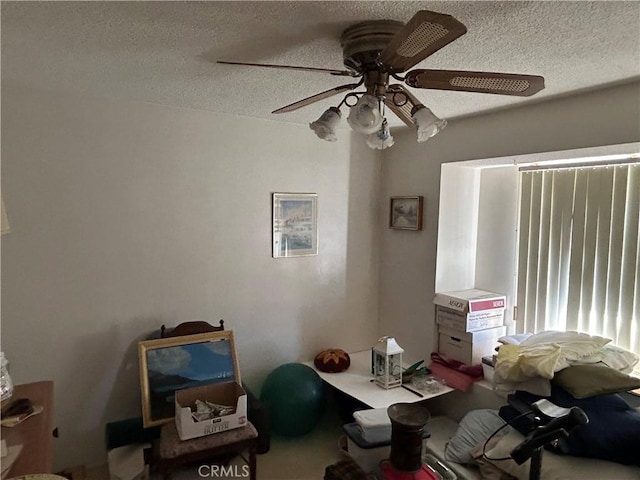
x: 357, y: 382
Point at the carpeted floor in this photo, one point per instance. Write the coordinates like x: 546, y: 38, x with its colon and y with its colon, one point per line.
x: 299, y: 458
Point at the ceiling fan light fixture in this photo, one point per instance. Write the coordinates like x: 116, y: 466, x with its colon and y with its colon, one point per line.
x: 376, y: 51
x: 365, y: 116
x: 427, y: 124
x: 382, y: 138
x: 325, y: 126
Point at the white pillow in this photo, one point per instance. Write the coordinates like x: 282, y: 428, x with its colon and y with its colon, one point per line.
x: 619, y: 359
x: 475, y: 428
x: 574, y: 345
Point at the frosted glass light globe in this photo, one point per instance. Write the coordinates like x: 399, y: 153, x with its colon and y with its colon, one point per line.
x: 365, y: 116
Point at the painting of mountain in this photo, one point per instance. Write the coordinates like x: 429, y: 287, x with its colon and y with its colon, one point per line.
x: 185, y: 366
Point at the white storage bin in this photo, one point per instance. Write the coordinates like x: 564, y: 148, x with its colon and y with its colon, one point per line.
x: 368, y: 455
x: 367, y: 459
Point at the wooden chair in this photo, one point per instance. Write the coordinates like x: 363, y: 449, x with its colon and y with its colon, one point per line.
x: 174, y: 453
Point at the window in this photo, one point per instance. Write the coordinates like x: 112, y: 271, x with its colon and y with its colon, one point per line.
x: 579, y: 252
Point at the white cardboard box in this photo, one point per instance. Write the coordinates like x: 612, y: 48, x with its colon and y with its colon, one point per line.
x: 227, y: 393
x: 468, y: 347
x: 470, y: 301
x: 471, y: 321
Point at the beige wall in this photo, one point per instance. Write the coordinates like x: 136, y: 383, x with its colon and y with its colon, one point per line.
x: 127, y: 216
x: 408, y: 259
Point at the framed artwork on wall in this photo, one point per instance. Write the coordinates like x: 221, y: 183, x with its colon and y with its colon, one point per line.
x: 294, y: 224
x: 405, y: 213
x: 174, y: 363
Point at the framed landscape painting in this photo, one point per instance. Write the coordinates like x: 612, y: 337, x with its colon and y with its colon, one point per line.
x: 170, y: 364
x: 294, y: 224
x: 405, y: 213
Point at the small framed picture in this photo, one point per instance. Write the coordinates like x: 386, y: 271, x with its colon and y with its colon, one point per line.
x: 405, y: 213
x: 294, y: 224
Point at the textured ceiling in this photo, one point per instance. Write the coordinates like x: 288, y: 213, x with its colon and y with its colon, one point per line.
x: 165, y: 52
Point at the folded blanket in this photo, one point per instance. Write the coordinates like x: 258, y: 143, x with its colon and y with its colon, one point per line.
x: 455, y: 373
x: 453, y: 378
x: 474, y: 371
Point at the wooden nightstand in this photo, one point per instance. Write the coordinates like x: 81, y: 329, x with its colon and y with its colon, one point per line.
x: 35, y: 434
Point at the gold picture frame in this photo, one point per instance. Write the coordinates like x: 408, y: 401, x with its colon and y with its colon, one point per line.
x: 174, y: 363
x: 405, y: 213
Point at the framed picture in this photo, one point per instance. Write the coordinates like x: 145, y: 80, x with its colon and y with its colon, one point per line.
x: 294, y: 224
x: 405, y: 213
x: 170, y: 364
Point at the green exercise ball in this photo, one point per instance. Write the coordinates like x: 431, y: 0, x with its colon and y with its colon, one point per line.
x: 295, y: 396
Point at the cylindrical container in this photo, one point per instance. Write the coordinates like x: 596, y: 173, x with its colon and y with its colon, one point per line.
x: 407, y: 427
x: 6, y: 385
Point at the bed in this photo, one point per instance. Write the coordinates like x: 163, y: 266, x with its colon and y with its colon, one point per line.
x: 570, y: 370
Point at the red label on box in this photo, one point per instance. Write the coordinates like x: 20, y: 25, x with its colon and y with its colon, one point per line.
x: 479, y: 305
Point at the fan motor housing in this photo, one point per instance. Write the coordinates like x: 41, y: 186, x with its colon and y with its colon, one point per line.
x: 362, y: 43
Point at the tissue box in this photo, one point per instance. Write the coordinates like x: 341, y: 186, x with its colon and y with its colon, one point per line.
x: 488, y: 368
x: 227, y: 393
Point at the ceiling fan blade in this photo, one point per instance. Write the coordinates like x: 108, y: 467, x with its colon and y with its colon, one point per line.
x: 423, y: 35
x: 401, y: 102
x: 316, y: 98
x: 344, y: 73
x: 479, y: 82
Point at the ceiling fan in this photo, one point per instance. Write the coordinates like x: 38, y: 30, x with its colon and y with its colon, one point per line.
x: 381, y: 50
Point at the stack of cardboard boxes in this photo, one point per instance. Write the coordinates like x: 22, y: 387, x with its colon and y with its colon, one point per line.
x: 469, y: 323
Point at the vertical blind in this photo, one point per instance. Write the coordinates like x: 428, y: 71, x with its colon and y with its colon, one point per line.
x: 579, y: 252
